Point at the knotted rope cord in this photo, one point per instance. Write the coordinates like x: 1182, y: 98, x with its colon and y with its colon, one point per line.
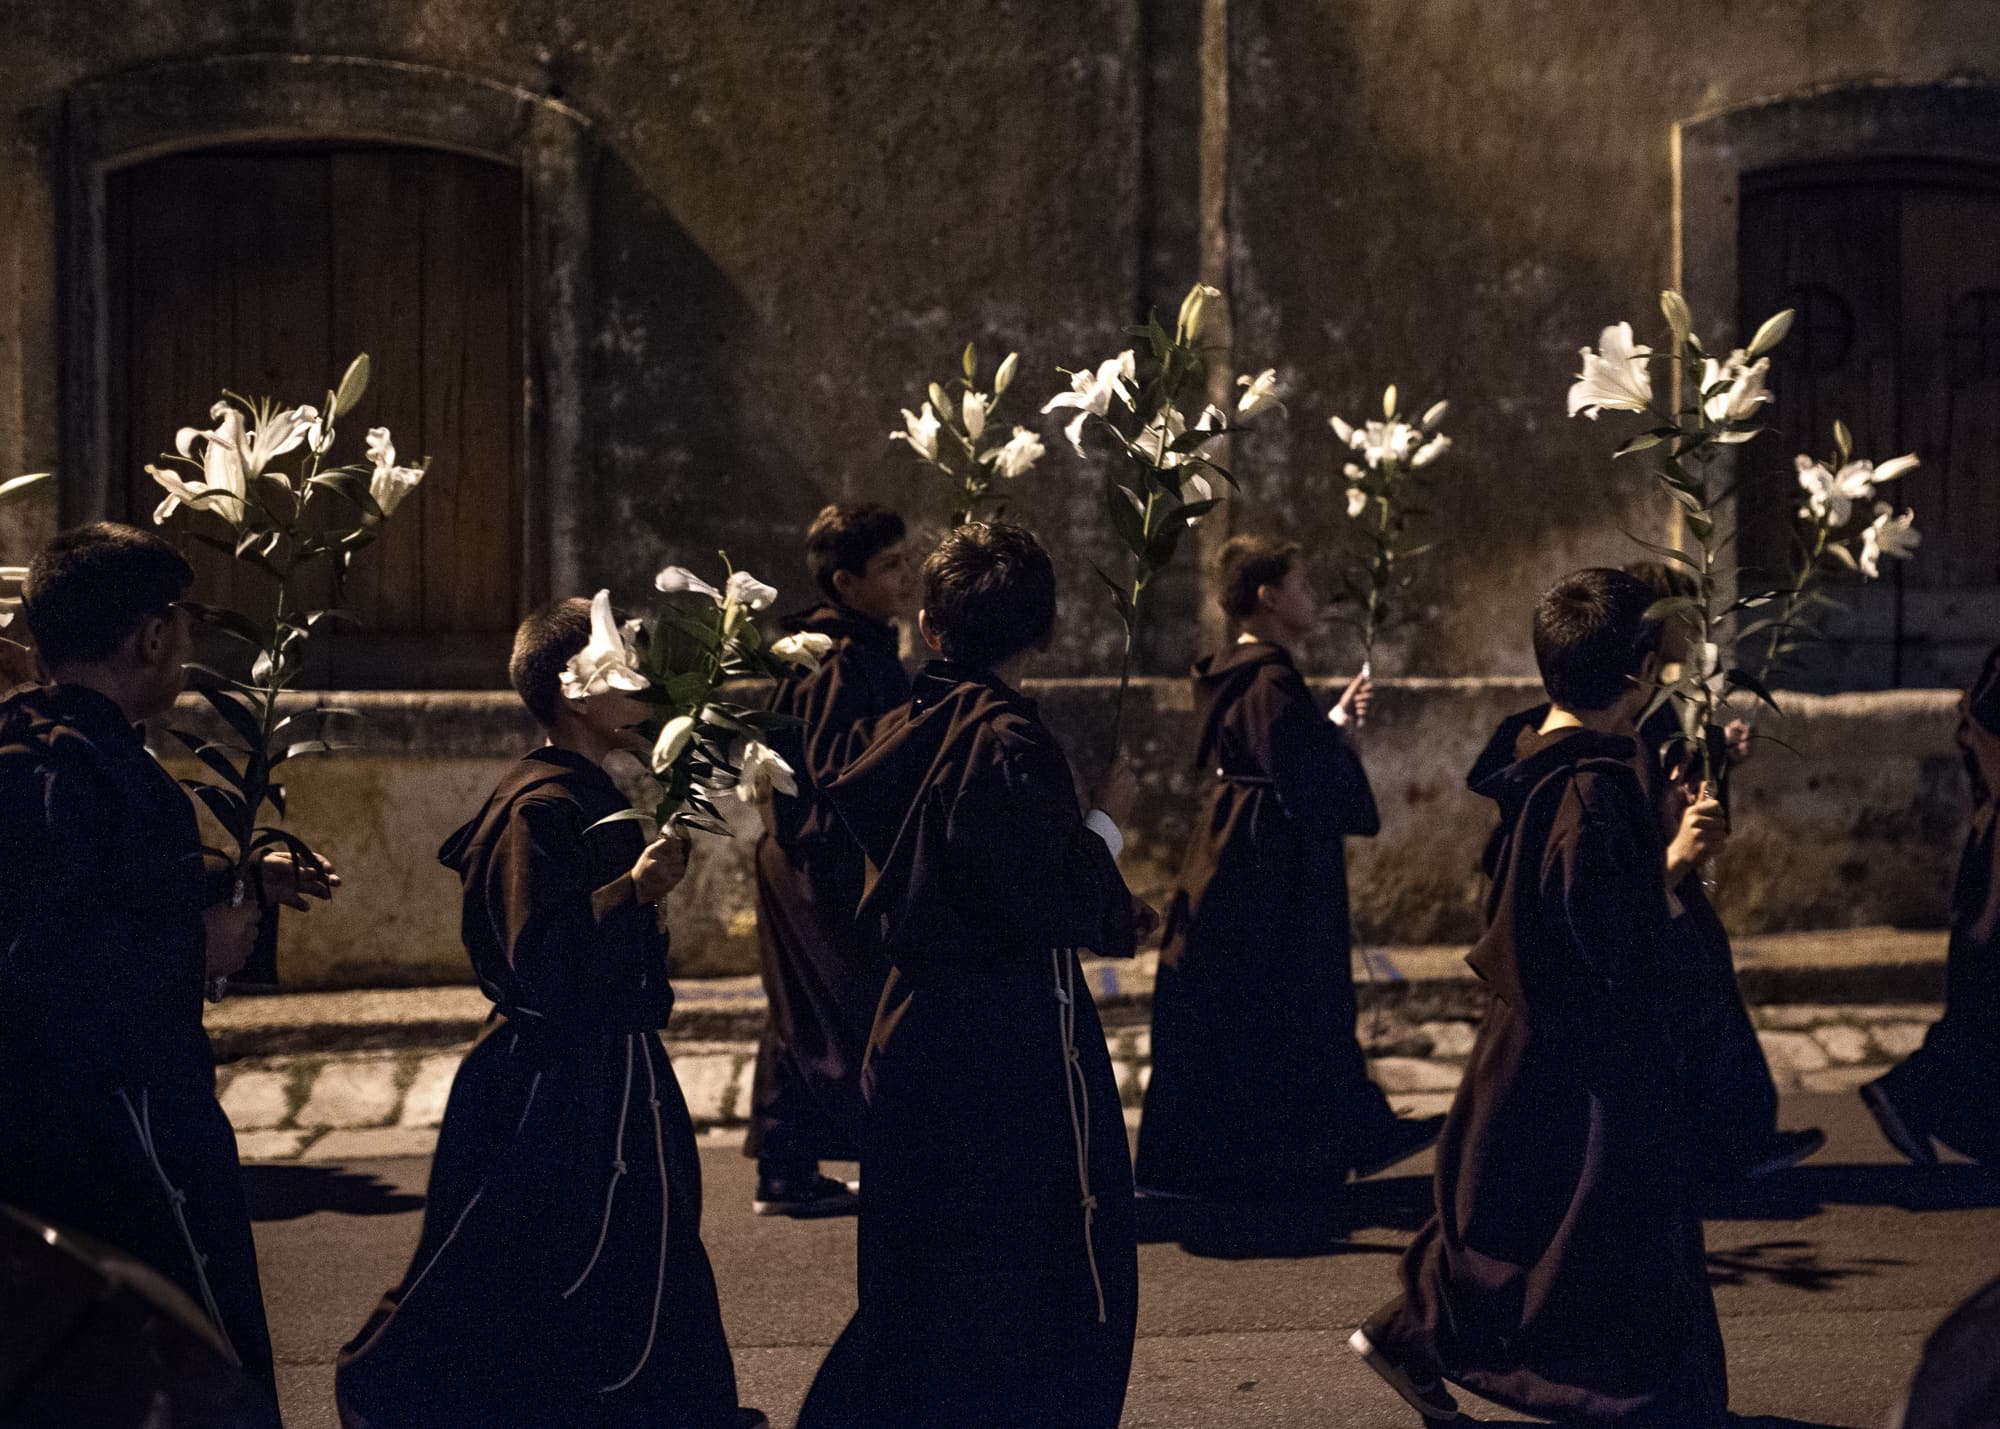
x: 142, y: 1127
x: 617, y: 1171
x: 1063, y: 963
x: 660, y: 1276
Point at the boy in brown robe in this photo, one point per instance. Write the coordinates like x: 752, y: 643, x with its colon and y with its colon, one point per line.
x: 1949, y: 1088
x: 1259, y: 1086
x: 997, y: 1257
x: 821, y: 977
x: 1562, y: 1272
x: 560, y: 1276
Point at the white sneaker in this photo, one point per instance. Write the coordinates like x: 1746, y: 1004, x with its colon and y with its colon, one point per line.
x: 1428, y: 1397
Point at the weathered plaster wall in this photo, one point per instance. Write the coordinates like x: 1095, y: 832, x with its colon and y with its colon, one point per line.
x: 1860, y: 826
x: 1457, y: 195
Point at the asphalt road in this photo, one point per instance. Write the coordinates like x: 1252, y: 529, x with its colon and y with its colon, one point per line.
x: 1827, y: 1284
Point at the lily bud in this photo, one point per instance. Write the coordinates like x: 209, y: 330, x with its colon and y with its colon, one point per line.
x: 969, y: 362
x: 940, y: 403
x: 1191, y: 310
x: 1679, y: 319
x: 1006, y: 373
x: 1770, y: 334
x: 1389, y: 402
x: 1435, y: 415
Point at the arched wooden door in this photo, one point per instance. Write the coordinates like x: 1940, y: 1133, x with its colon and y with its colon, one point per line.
x: 263, y: 270
x: 1894, y: 268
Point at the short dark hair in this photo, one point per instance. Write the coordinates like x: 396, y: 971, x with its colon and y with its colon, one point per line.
x: 847, y: 538
x: 1667, y: 581
x: 543, y: 645
x: 1591, y: 636
x: 989, y: 593
x: 1247, y: 564
x: 94, y: 585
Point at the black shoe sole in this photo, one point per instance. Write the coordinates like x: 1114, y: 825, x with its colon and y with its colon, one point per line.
x: 1895, y: 1129
x: 1441, y: 1409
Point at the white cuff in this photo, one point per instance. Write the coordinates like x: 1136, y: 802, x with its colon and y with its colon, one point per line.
x: 1099, y: 823
x: 1338, y: 714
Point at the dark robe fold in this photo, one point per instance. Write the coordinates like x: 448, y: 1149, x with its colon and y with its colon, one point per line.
x: 997, y: 1262
x: 1952, y: 1082
x: 108, y: 1119
x: 1259, y: 1084
x: 1732, y: 1099
x: 821, y: 977
x: 560, y: 1277
x: 1562, y: 1272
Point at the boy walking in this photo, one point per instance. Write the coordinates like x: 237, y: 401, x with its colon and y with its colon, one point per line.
x: 560, y: 1276
x: 997, y: 1265
x: 822, y: 978
x: 1562, y: 1272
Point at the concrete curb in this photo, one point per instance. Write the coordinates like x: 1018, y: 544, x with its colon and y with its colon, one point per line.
x: 1414, y: 984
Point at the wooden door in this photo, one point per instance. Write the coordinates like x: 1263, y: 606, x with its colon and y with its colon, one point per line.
x: 263, y: 271
x: 1895, y: 273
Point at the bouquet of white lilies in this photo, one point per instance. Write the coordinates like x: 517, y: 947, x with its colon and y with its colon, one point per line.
x: 1823, y: 543
x: 961, y: 441
x: 1161, y: 488
x: 282, y: 525
x: 1378, y: 490
x: 677, y: 660
x: 1721, y: 402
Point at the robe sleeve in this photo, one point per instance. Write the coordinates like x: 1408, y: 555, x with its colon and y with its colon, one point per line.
x: 577, y: 952
x: 1317, y: 774
x: 838, y: 714
x: 1022, y: 857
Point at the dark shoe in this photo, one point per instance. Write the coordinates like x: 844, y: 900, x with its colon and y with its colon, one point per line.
x: 807, y: 1198
x: 747, y: 1418
x: 1425, y: 1395
x: 1783, y: 1151
x: 1403, y: 1138
x: 1900, y: 1124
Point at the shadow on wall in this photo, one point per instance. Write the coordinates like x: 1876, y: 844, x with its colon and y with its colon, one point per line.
x: 682, y: 464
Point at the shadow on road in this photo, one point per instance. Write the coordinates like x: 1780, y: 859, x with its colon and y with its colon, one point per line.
x: 1795, y: 1264
x: 1288, y: 1229
x: 287, y: 1193
x: 1807, y: 1190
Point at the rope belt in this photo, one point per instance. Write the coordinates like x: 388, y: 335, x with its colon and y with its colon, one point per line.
x: 142, y: 1127
x: 1062, y: 962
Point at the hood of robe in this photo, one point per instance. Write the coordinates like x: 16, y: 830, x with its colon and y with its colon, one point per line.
x: 1220, y: 681
x: 913, y: 748
x: 839, y: 623
x: 547, y: 765
x: 1510, y: 780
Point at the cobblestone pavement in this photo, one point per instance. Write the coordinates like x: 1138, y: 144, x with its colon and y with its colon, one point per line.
x: 340, y: 1106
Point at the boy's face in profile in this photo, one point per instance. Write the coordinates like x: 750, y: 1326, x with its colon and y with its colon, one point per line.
x: 610, y: 714
x: 886, y: 589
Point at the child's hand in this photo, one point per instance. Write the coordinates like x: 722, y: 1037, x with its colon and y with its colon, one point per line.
x: 1355, y: 700
x: 1145, y: 921
x: 1117, y: 793
x: 290, y: 881
x: 660, y: 868
x: 232, y: 936
x: 1704, y: 829
x: 1736, y: 737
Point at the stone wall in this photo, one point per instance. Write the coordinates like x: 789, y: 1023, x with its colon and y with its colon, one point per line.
x: 1857, y: 823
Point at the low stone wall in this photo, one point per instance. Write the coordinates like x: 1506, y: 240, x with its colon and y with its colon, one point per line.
x: 1854, y: 819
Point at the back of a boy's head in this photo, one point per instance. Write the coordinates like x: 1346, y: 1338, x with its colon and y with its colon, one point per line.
x: 1665, y: 581
x: 544, y: 644
x: 1592, y: 635
x: 93, y: 585
x: 847, y: 538
x: 1248, y: 564
x: 989, y: 593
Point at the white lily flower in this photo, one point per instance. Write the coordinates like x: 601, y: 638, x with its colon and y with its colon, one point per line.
x: 1260, y: 393
x: 1154, y: 443
x: 746, y: 590
x: 388, y: 484
x: 1385, y: 442
x: 1615, y: 378
x: 1895, y: 467
x: 1357, y: 501
x: 1342, y: 430
x: 1738, y: 401
x: 672, y: 743
x: 224, y: 481
x: 973, y: 409
x: 1091, y: 393
x: 606, y: 662
x: 764, y: 769
x: 806, y: 649
x: 1825, y: 501
x: 281, y: 432
x: 1889, y: 535
x: 679, y: 580
x: 1355, y: 471
x: 921, y: 432
x: 1430, y: 451
x: 1021, y: 451
x: 1195, y: 488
